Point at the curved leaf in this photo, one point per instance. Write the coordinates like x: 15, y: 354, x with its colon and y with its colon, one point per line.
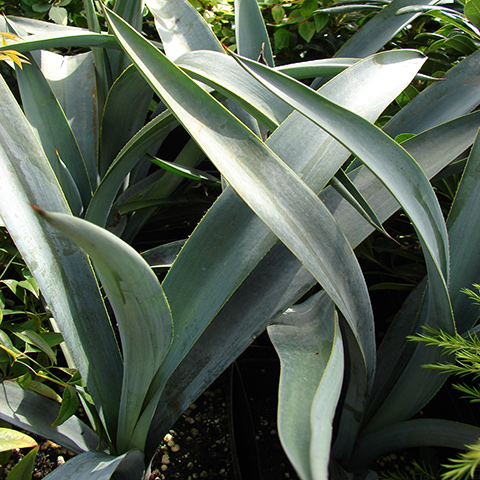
x: 269, y: 187
x: 464, y: 227
x: 222, y: 73
x: 63, y: 272
x: 414, y: 433
x: 11, y: 439
x: 308, y: 342
x: 72, y: 79
x: 55, y: 135
x: 23, y: 470
x: 63, y: 39
x: 100, y: 466
x: 128, y: 157
x: 140, y: 307
x: 119, y: 121
x: 380, y: 29
x: 458, y: 95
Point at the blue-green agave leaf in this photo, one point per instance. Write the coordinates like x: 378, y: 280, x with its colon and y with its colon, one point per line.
x: 250, y: 32
x: 35, y: 413
x: 181, y: 28
x: 101, y: 466
x: 308, y: 341
x: 270, y: 188
x: 62, y: 271
x: 414, y: 433
x: 141, y: 311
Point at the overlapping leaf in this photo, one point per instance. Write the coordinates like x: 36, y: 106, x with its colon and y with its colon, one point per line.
x: 270, y: 188
x: 140, y: 307
x: 67, y: 282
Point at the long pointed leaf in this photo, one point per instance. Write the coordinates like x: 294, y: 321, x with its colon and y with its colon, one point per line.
x: 464, y: 227
x: 414, y: 433
x: 72, y: 80
x: 100, y: 466
x: 222, y: 73
x: 67, y: 283
x: 140, y: 307
x: 128, y: 157
x: 270, y: 188
x: 55, y: 135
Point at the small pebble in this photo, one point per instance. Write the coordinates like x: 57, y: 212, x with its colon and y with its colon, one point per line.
x: 60, y: 460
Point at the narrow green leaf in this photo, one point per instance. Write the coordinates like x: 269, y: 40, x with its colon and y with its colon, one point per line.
x: 343, y: 185
x: 250, y: 32
x: 68, y: 407
x: 23, y: 470
x: 141, y: 311
x: 191, y: 173
x: 308, y: 342
x: 11, y: 439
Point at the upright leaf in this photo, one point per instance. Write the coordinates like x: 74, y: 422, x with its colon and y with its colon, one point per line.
x: 250, y: 32
x: 55, y: 135
x: 141, y: 311
x: 181, y: 28
x: 308, y: 342
x: 63, y: 273
x: 464, y: 227
x: 268, y: 186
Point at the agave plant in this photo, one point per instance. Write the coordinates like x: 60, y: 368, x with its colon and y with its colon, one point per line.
x: 279, y: 228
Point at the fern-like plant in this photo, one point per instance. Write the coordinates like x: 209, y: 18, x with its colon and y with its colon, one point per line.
x: 466, y: 351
